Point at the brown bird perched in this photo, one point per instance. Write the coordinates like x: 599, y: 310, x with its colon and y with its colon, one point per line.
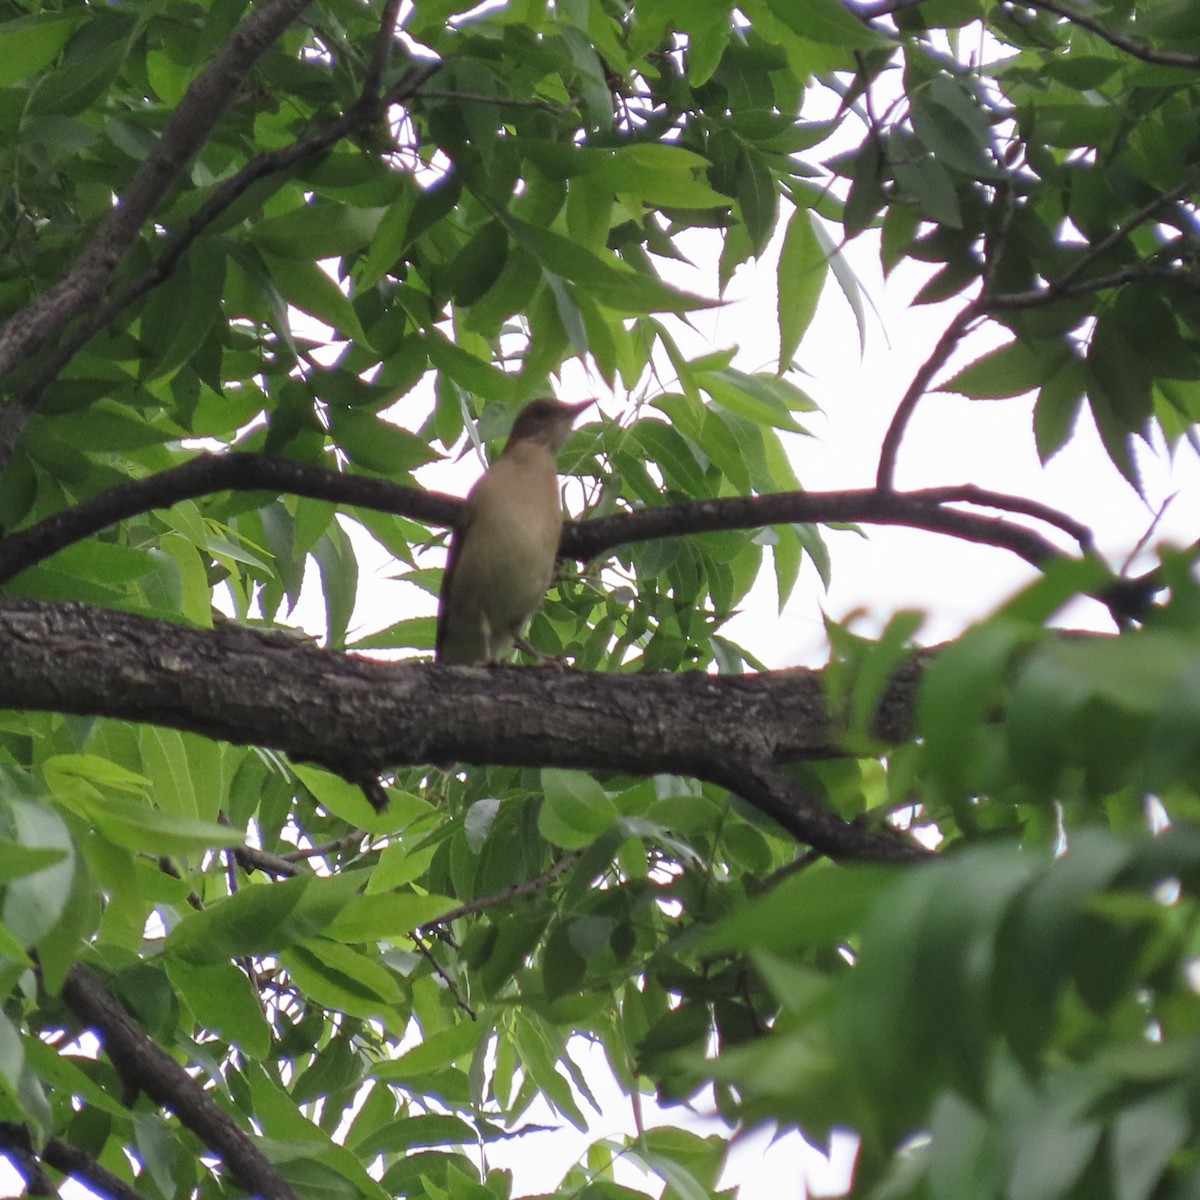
x: 504, y: 544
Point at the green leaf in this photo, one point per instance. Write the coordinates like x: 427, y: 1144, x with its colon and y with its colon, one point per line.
x: 180, y: 314
x: 31, y: 43
x: 221, y: 999
x: 137, y: 826
x: 377, y: 445
x: 801, y: 274
x: 757, y: 197
x: 951, y: 127
x: 575, y: 809
x: 34, y: 902
x: 338, y: 566
x: 262, y: 918
x: 305, y: 285
x: 1010, y: 370
x: 827, y: 22
x: 342, y: 978
x: 318, y: 229
x: 818, y: 907
x: 387, y: 917
x: 438, y: 1050
x: 614, y: 286
x: 75, y: 85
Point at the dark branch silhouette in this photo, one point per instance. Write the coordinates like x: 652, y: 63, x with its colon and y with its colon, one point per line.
x: 144, y: 1067
x: 208, y: 474
x: 1130, y: 46
x: 64, y: 1158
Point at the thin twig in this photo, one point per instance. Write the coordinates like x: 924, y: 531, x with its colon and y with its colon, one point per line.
x: 959, y: 327
x: 515, y: 891
x: 1144, y: 540
x: 970, y: 493
x: 1130, y: 46
x: 335, y: 847
x: 451, y: 986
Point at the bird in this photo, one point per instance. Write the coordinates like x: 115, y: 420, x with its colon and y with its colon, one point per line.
x: 504, y: 545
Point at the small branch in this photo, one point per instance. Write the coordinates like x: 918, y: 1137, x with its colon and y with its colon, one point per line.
x: 345, y: 842
x: 1137, y: 273
x: 1134, y: 221
x: 381, y: 54
x: 1130, y: 46
x: 67, y: 1159
x: 250, y: 858
x: 16, y: 1146
x: 584, y: 540
x: 144, y: 1067
x: 514, y: 891
x: 959, y: 327
x: 764, y: 785
x: 969, y: 493
x: 439, y: 971
x: 205, y: 475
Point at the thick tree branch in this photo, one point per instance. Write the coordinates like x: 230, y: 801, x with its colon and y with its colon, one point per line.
x: 145, y: 1067
x: 351, y: 714
x: 210, y: 94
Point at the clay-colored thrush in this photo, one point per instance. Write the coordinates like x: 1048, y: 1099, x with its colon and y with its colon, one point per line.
x: 504, y: 544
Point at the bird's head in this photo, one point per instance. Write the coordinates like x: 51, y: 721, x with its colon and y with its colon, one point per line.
x: 546, y: 422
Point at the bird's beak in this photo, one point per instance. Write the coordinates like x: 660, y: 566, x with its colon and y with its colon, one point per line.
x: 576, y: 409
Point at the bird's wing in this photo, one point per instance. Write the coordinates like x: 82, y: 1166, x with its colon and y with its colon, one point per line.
x: 456, y: 540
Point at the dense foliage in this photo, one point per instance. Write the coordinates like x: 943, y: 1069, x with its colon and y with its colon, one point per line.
x: 371, y: 983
